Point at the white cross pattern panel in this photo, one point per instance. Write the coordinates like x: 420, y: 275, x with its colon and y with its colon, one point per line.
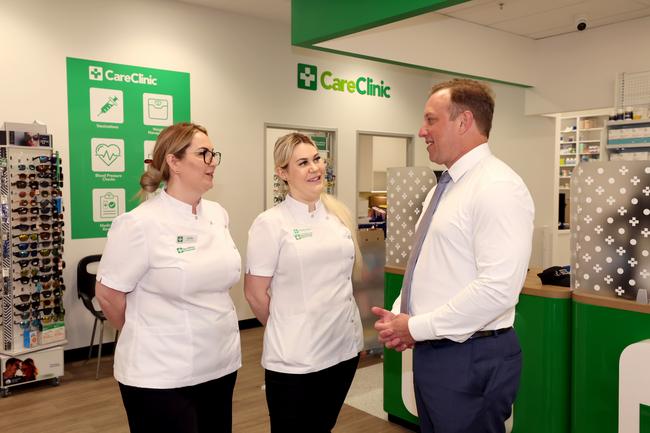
x: 406, y: 189
x: 610, y: 229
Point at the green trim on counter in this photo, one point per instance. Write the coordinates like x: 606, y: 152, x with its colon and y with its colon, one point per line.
x: 393, y: 403
x: 644, y: 419
x: 543, y: 326
x: 600, y: 334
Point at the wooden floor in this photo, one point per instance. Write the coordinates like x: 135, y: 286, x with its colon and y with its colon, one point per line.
x: 82, y: 404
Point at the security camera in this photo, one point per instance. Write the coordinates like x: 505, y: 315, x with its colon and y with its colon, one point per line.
x: 581, y: 23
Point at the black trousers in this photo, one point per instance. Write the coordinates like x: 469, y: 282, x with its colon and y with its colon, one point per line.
x: 466, y: 387
x: 311, y: 402
x: 202, y: 408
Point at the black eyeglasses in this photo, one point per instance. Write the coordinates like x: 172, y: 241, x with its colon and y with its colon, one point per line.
x: 209, y: 156
x: 34, y: 262
x: 26, y: 297
x: 26, y: 227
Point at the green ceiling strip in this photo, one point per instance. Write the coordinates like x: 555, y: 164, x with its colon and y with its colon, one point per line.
x: 420, y: 67
x: 314, y: 21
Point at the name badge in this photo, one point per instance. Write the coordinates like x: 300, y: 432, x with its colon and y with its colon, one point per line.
x: 185, y: 239
x: 302, y: 233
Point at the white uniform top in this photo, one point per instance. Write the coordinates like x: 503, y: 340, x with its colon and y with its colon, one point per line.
x: 177, y: 268
x: 314, y: 321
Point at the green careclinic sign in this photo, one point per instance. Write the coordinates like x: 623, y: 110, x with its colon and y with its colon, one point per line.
x: 115, y: 113
x: 310, y: 79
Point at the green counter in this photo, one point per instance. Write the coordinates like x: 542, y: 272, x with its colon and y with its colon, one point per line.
x: 602, y: 329
x: 543, y: 324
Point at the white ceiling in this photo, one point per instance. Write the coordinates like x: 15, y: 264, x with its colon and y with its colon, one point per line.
x: 534, y: 19
x: 542, y: 19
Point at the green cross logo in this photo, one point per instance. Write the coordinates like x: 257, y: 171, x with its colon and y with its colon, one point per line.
x: 96, y: 73
x: 307, y: 76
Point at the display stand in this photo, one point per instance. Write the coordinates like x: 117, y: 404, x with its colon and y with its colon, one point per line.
x: 33, y: 331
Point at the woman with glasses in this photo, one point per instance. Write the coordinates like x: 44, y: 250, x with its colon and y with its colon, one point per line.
x: 164, y: 280
x: 301, y: 255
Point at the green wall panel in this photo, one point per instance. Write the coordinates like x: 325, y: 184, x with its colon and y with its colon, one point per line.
x: 543, y: 326
x: 393, y: 403
x: 315, y: 21
x: 599, y: 336
x: 644, y: 419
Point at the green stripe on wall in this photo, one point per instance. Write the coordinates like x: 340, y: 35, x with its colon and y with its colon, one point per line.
x: 314, y: 21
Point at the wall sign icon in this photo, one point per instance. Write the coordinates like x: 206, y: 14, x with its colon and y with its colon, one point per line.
x: 106, y: 105
x: 107, y: 203
x: 307, y: 76
x: 96, y: 73
x: 157, y: 109
x: 107, y: 154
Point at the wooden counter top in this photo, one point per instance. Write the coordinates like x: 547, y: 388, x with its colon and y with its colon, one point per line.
x: 590, y: 298
x: 532, y: 285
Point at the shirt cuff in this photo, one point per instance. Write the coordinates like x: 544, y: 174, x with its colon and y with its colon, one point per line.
x: 421, y: 328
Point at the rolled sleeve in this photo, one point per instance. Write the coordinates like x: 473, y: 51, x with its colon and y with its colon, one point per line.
x: 125, y: 258
x: 263, y: 247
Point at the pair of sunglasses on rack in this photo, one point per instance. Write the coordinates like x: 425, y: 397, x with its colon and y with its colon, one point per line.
x: 33, y: 184
x: 33, y: 236
x: 42, y: 226
x: 33, y: 253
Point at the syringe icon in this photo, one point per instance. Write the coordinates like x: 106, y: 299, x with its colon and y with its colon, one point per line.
x: 112, y: 102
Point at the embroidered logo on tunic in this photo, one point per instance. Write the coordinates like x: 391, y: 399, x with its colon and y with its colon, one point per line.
x: 302, y: 233
x: 185, y: 239
x: 181, y: 250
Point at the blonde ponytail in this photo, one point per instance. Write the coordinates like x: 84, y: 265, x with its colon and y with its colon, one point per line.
x: 338, y: 209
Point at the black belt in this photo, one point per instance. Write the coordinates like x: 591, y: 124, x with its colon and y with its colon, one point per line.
x: 477, y: 334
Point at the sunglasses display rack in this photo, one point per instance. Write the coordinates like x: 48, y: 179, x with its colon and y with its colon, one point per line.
x: 32, y: 320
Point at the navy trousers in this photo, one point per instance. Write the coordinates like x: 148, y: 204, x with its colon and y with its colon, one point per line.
x: 466, y: 387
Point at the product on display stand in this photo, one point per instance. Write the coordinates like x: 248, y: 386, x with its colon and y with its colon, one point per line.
x: 33, y: 331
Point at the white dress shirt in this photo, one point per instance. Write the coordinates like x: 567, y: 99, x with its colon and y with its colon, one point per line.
x: 314, y: 321
x: 475, y: 254
x: 177, y: 268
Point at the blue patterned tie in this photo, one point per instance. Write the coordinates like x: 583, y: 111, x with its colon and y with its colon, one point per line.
x: 420, y: 234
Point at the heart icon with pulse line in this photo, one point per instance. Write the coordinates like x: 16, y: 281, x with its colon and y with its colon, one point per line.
x: 107, y: 153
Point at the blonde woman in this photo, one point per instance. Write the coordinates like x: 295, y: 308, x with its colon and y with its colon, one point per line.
x: 164, y: 280
x: 301, y: 255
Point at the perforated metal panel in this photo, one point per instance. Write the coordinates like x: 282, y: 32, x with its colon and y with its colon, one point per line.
x: 633, y: 88
x: 407, y: 188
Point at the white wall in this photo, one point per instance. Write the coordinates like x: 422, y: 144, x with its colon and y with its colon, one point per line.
x: 243, y: 74
x: 570, y: 72
x: 577, y: 71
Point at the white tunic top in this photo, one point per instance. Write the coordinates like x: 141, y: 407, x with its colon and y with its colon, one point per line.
x: 177, y: 268
x: 314, y: 321
x: 475, y: 254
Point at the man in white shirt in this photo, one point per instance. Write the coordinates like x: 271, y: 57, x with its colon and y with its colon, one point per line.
x: 465, y: 280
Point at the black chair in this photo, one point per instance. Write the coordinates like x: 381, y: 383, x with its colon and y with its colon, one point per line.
x: 86, y: 292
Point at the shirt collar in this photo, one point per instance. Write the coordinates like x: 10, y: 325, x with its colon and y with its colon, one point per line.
x: 468, y: 161
x: 301, y: 209
x: 180, y: 206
